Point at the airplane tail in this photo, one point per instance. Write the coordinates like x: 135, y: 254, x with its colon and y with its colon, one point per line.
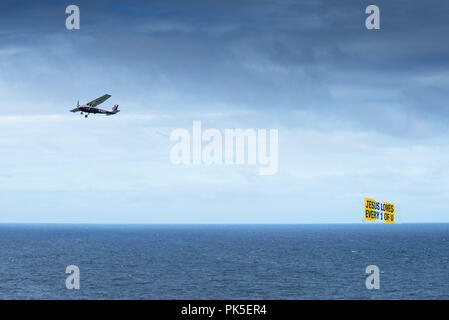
x: 115, y: 108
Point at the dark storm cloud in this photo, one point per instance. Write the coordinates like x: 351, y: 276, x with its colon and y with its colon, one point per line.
x: 273, y: 56
x: 359, y: 112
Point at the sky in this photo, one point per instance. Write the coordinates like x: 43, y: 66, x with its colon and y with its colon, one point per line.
x: 359, y: 113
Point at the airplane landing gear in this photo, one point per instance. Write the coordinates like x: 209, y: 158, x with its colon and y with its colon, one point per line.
x: 81, y: 113
x: 85, y: 116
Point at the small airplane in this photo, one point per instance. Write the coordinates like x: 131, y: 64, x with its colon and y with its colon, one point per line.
x: 91, y: 107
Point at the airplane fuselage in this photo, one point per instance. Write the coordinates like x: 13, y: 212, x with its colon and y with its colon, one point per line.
x: 87, y: 109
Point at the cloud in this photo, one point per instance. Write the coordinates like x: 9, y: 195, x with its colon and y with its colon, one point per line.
x: 359, y: 112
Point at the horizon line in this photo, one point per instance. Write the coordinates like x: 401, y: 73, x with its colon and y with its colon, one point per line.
x: 216, y: 224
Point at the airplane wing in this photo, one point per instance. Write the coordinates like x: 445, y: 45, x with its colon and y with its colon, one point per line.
x: 98, y: 101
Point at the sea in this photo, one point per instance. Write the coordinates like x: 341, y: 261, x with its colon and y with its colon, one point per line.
x: 322, y: 261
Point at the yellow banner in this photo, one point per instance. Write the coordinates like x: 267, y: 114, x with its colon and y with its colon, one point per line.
x: 379, y: 211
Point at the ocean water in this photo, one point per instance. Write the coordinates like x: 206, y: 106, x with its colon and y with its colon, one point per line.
x: 224, y: 261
